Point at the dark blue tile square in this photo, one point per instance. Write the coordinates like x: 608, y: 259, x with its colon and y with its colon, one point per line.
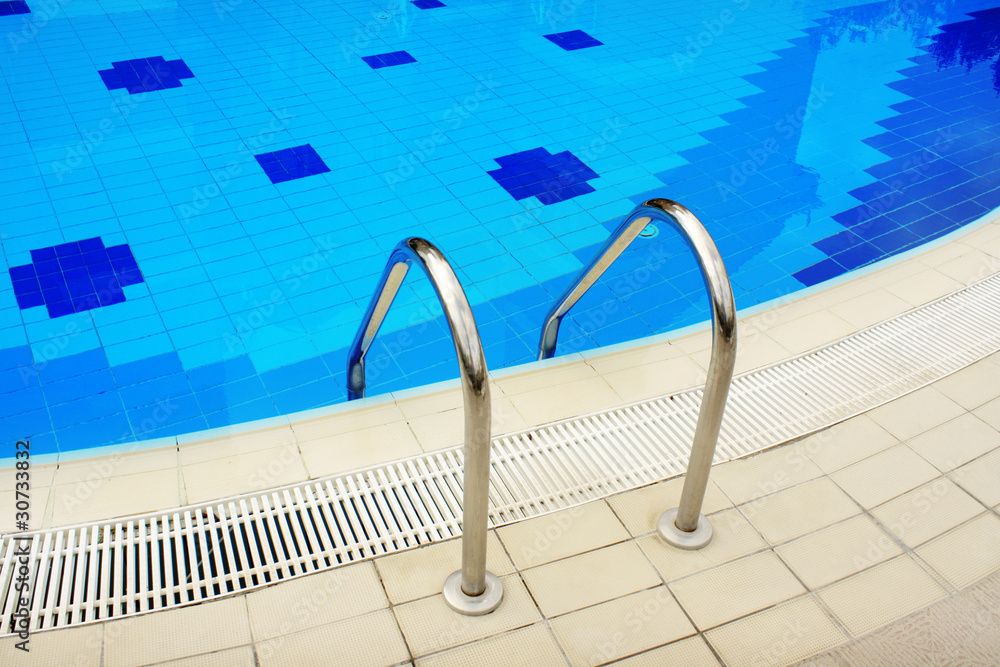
x: 29, y: 299
x: 59, y: 308
x: 427, y: 4
x: 23, y: 272
x: 71, y: 262
x: 47, y: 266
x: 50, y: 280
x: 43, y: 254
x: 143, y: 75
x: 819, y: 272
x: 291, y: 163
x: 76, y: 276
x: 389, y: 59
x: 14, y: 7
x: 56, y: 293
x: 537, y: 173
x: 67, y: 249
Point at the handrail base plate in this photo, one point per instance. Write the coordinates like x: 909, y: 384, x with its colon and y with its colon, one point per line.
x: 468, y: 605
x: 696, y: 539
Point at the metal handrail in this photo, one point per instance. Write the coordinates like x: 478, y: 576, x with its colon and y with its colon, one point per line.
x: 472, y: 590
x: 684, y: 527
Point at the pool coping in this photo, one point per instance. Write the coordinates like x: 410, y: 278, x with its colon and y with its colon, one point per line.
x: 413, y: 421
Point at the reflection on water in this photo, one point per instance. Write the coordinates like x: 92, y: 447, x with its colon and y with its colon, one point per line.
x: 970, y: 42
x: 866, y: 23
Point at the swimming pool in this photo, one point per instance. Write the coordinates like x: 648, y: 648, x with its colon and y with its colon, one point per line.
x: 198, y: 196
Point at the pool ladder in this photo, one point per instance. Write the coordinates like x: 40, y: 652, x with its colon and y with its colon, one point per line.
x: 473, y: 590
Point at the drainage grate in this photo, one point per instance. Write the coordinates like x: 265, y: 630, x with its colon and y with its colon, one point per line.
x: 156, y: 561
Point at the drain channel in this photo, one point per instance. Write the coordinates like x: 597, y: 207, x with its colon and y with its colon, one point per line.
x: 112, y: 569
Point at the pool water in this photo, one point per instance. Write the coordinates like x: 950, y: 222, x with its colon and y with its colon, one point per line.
x: 198, y: 197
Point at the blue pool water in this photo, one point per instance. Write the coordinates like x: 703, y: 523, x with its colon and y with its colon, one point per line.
x: 197, y: 198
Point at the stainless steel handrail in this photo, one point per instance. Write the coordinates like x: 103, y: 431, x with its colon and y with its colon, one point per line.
x: 472, y: 590
x: 684, y: 527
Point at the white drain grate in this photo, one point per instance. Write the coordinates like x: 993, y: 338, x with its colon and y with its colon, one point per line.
x: 113, y: 569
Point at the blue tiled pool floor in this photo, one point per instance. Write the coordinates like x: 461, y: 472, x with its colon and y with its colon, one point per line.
x: 258, y: 160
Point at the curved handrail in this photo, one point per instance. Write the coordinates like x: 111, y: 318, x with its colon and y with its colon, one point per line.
x: 684, y: 527
x: 472, y: 590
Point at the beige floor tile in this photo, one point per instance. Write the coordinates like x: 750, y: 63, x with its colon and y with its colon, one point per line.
x: 736, y: 589
x: 227, y: 446
x: 560, y: 534
x: 980, y: 478
x: 234, y: 657
x: 927, y: 511
x: 732, y: 537
x: 969, y: 267
x: 762, y: 351
x: 950, y: 632
x: 151, y: 638
x: 244, y: 473
x: 870, y: 308
x: 880, y: 595
x: 656, y: 379
x: 100, y: 468
x: 41, y: 475
x: 915, y: 413
x: 355, y: 419
x: 847, y: 442
x: 67, y: 647
x: 533, y: 646
x: 316, y: 599
x: 447, y: 429
x: 765, y: 473
x: 924, y: 287
x: 434, y: 402
x: 418, y: 573
x: 591, y: 578
x: 957, y: 442
x: 690, y: 652
x: 838, y: 551
x: 810, y: 331
x: 115, y: 496
x: 885, y: 475
x: 359, y: 449
x: 622, y: 627
x: 571, y: 399
x: 968, y: 553
x: 640, y: 509
x: 633, y: 357
x: 973, y: 385
x: 430, y: 625
x: 562, y: 372
x: 802, y: 509
x: 372, y: 640
x: 777, y: 636
x: 989, y: 412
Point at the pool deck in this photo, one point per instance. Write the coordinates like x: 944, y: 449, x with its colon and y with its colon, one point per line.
x: 876, y: 541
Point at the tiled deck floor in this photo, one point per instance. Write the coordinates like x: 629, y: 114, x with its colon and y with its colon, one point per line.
x: 874, y: 542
